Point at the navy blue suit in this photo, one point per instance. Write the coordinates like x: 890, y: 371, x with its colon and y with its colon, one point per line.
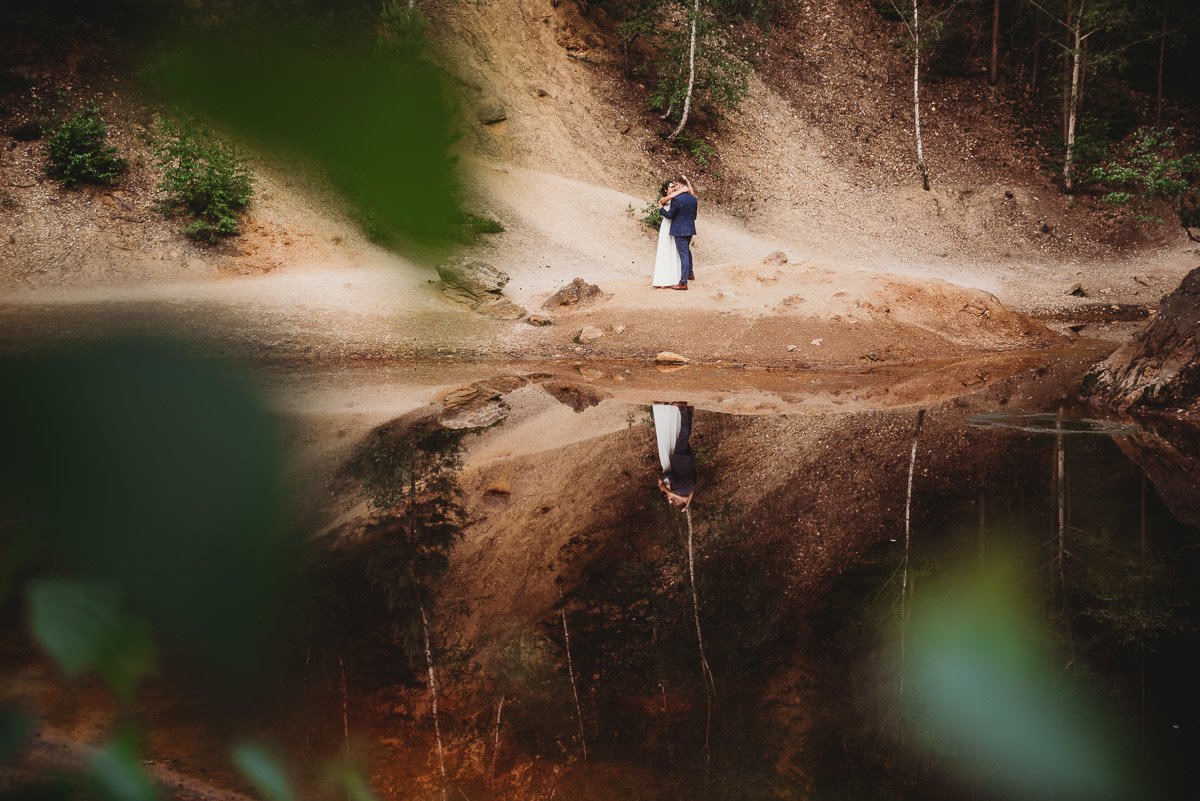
x: 682, y: 215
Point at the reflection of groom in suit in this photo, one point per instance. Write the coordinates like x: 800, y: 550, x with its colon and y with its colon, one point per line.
x: 682, y: 215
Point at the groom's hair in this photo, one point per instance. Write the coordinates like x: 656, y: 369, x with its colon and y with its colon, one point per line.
x: 681, y: 181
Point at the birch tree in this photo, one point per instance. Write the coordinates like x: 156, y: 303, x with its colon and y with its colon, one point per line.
x: 691, y: 84
x: 912, y: 21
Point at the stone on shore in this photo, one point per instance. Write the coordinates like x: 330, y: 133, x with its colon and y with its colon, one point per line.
x: 589, y: 333
x: 669, y: 357
x: 576, y: 293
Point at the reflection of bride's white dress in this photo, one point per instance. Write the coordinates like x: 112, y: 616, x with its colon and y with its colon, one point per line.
x: 667, y: 266
x: 667, y: 421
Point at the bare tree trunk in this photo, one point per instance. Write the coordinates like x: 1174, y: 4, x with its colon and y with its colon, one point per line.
x: 433, y: 695
x: 687, y: 98
x: 1066, y: 86
x: 1060, y: 485
x: 1034, y: 72
x: 1073, y: 111
x: 574, y: 687
x: 1162, y: 61
x: 1142, y: 646
x: 982, y: 524
x: 916, y: 34
x: 710, y: 687
x: 666, y: 723
x: 904, y: 579
x: 496, y: 741
x: 345, y: 705
x: 994, y: 67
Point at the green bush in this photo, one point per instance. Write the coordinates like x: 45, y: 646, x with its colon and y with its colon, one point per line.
x: 1150, y: 165
x: 79, y: 153
x: 701, y: 150
x: 203, y: 178
x: 652, y: 214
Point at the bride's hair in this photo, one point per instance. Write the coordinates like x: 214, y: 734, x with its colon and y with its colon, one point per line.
x: 662, y: 190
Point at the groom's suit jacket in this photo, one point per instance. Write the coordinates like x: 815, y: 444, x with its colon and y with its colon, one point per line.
x: 682, y: 215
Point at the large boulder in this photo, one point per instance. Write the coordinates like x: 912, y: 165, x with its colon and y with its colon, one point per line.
x: 1159, y: 369
x: 576, y: 293
x: 480, y: 286
x: 471, y: 281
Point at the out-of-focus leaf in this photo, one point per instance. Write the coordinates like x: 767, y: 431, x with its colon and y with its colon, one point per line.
x: 982, y: 695
x: 15, y: 727
x: 160, y: 469
x: 377, y: 121
x: 118, y: 773
x: 83, y: 627
x: 263, y: 772
x: 352, y: 782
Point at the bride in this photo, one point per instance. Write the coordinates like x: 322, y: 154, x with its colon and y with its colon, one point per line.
x: 666, y: 261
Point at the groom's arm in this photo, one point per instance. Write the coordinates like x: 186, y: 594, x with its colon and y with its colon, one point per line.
x: 669, y: 213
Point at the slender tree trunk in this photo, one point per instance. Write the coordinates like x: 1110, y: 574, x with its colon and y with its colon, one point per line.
x: 662, y: 689
x: 496, y: 741
x: 345, y: 705
x: 1162, y: 61
x: 1083, y: 79
x: 710, y: 687
x: 904, y: 578
x: 574, y: 687
x: 1066, y: 77
x: 1060, y: 486
x: 687, y: 98
x: 433, y: 696
x: 1034, y: 72
x: 982, y: 524
x: 916, y: 33
x: 1142, y: 645
x: 1073, y: 112
x: 994, y: 67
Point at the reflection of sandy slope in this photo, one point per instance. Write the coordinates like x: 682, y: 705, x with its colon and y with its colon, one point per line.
x: 813, y: 491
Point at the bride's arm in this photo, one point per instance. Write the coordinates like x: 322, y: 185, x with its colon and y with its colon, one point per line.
x: 665, y: 199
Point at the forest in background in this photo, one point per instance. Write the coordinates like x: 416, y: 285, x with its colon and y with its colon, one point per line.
x: 1107, y: 91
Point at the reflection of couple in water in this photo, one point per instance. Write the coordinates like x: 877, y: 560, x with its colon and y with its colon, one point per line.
x: 673, y: 429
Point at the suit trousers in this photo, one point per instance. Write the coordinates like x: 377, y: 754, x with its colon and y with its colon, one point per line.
x: 683, y: 244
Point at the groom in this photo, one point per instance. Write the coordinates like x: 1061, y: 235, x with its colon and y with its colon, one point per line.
x: 682, y: 215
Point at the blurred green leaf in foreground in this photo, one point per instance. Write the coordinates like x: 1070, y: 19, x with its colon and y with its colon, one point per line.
x: 141, y: 490
x: 357, y: 102
x: 982, y: 695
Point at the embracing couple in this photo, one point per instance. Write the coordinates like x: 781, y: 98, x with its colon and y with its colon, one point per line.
x: 673, y: 262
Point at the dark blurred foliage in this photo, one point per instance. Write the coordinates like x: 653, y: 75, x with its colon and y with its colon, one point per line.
x: 142, y: 481
x: 340, y: 88
x: 357, y: 104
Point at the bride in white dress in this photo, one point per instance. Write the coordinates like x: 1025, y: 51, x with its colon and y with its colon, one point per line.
x: 667, y: 267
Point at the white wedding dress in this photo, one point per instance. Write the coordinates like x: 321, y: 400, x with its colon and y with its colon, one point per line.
x: 668, y: 419
x: 667, y: 266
